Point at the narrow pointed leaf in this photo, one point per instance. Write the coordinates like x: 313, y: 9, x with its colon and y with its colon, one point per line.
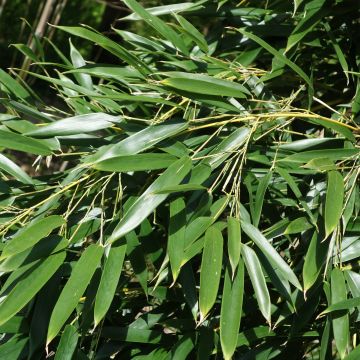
x: 231, y: 309
x: 74, y: 289
x: 138, y: 142
x: 259, y: 197
x: 258, y: 281
x: 340, y: 322
x: 138, y: 162
x: 279, y: 56
x: 334, y: 201
x: 32, y: 234
x: 29, y: 286
x: 149, y: 201
x: 11, y: 168
x: 234, y: 242
x: 67, y: 345
x: 23, y: 143
x: 273, y: 256
x: 176, y: 238
x: 204, y: 84
x: 109, y: 281
x: 162, y: 28
x: 210, y: 271
x: 75, y: 125
x: 314, y: 260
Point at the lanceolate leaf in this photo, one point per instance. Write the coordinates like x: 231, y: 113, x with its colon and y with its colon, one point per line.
x: 162, y: 28
x: 204, y: 84
x: 234, y: 242
x: 32, y: 234
x: 140, y: 162
x: 75, y: 125
x: 258, y: 281
x: 67, y: 344
x: 111, y: 46
x: 74, y: 289
x: 334, y: 201
x: 259, y: 198
x: 11, y: 168
x: 109, y: 280
x: 210, y: 272
x: 149, y: 201
x: 23, y: 143
x: 272, y: 255
x: 29, y: 286
x: 231, y: 309
x: 176, y: 239
x: 347, y: 304
x: 138, y: 142
x: 282, y: 58
x: 314, y: 260
x: 340, y: 321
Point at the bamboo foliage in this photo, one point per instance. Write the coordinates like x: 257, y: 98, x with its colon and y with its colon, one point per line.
x: 208, y: 205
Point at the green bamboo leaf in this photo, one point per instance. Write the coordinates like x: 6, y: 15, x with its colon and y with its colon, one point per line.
x: 210, y: 271
x: 193, y: 33
x: 320, y: 164
x: 259, y: 197
x: 31, y: 234
x: 78, y: 61
x: 347, y: 304
x: 314, y: 14
x: 11, y: 168
x: 23, y: 143
x: 135, y: 253
x: 188, y: 287
x: 334, y: 201
x: 354, y: 355
x: 231, y: 309
x: 258, y: 281
x: 15, y: 348
x: 272, y: 255
x: 298, y: 225
x: 180, y: 188
x: 293, y: 186
x: 149, y: 201
x: 13, y: 86
x: 138, y: 142
x: 109, y: 281
x: 332, y: 154
x: 109, y: 45
x: 68, y: 342
x: 74, y: 289
x: 140, y: 41
x: 29, y: 286
x: 76, y: 125
x: 339, y: 53
x: 280, y: 57
x: 45, y: 247
x: 204, y: 84
x: 234, y: 242
x: 231, y: 143
x: 176, y: 237
x: 353, y: 281
x: 139, y: 162
x: 340, y: 322
x: 162, y: 28
x: 16, y: 325
x: 183, y: 347
x: 162, y: 10
x: 325, y: 340
x: 314, y: 260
